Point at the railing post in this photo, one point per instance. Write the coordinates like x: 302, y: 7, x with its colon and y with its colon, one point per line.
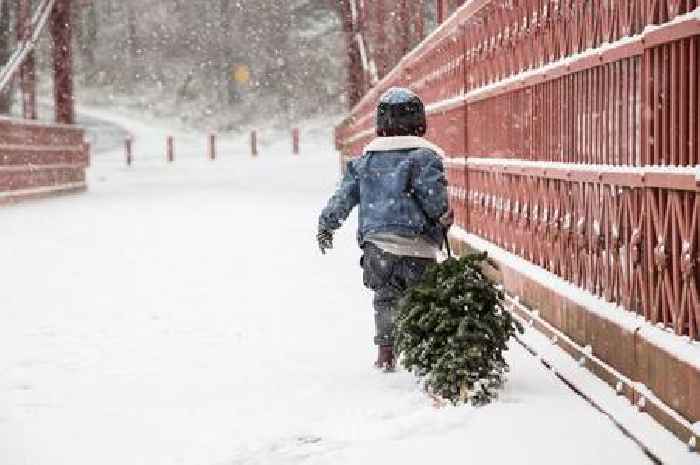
x: 254, y: 143
x: 87, y: 146
x: 295, y: 141
x: 212, y: 146
x: 466, y: 198
x: 128, y: 142
x: 170, y: 149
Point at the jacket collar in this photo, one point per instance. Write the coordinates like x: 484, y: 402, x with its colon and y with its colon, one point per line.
x: 389, y: 144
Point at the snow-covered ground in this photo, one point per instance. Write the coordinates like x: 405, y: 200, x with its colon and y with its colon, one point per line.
x: 182, y: 315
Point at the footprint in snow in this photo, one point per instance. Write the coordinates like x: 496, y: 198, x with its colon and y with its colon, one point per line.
x: 305, y: 440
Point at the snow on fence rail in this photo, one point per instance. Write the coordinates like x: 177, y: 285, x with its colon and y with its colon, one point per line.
x: 573, y: 134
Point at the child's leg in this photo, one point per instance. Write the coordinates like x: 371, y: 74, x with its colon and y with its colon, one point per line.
x: 384, y: 302
x: 407, y: 271
x: 378, y: 268
x: 389, y: 276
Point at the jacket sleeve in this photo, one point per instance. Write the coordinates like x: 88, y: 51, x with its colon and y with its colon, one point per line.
x: 430, y: 185
x: 346, y: 197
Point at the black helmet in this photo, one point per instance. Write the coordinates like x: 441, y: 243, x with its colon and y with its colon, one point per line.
x: 400, y: 113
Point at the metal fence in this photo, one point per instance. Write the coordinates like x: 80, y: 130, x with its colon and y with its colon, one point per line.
x: 573, y: 134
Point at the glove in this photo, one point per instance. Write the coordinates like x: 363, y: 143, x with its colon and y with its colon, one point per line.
x: 448, y: 219
x: 325, y: 240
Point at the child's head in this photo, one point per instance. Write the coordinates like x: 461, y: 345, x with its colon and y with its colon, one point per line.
x: 400, y: 113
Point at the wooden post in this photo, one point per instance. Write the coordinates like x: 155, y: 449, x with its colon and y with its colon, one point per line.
x: 61, y: 29
x: 170, y: 149
x: 254, y: 143
x: 28, y: 69
x: 295, y: 141
x: 128, y: 148
x: 212, y: 146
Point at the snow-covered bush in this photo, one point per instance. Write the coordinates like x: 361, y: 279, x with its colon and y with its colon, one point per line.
x: 452, y: 329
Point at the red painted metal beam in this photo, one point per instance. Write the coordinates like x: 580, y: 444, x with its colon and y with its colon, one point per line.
x: 61, y: 31
x: 354, y: 67
x: 440, y: 11
x: 444, y: 8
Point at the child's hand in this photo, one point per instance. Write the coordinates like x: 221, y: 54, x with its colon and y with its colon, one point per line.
x: 325, y: 240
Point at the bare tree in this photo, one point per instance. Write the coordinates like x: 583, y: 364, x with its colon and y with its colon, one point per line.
x: 185, y: 53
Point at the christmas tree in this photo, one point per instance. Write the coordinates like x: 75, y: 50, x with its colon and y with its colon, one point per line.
x: 452, y: 329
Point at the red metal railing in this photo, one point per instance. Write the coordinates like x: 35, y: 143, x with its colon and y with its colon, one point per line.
x: 573, y: 134
x: 41, y: 158
x: 38, y: 159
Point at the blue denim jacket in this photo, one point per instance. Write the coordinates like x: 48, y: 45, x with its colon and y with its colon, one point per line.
x: 401, y: 191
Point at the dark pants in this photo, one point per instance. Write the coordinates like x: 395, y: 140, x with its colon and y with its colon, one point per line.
x: 389, y: 276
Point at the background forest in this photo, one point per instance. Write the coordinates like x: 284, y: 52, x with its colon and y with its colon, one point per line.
x: 209, y: 63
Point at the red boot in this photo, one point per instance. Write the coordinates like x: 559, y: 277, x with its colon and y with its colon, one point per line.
x: 385, y: 359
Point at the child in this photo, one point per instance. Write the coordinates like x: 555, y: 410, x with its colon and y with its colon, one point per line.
x: 399, y: 184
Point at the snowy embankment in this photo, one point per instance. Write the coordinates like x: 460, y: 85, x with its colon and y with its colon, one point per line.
x: 182, y: 315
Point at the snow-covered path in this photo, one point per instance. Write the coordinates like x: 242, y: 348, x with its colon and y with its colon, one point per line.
x: 182, y: 315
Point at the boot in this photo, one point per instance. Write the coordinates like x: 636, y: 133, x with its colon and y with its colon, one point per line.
x: 385, y: 359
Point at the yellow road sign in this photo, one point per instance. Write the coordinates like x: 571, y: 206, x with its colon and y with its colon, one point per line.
x: 241, y: 74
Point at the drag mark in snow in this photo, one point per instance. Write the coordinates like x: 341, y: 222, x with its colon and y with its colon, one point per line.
x: 650, y: 455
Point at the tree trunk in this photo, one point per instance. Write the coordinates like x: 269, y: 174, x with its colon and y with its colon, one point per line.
x: 90, y: 41
x: 132, y: 43
x: 225, y: 62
